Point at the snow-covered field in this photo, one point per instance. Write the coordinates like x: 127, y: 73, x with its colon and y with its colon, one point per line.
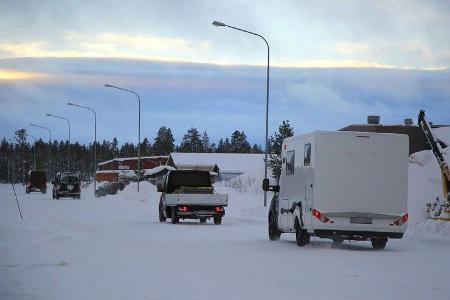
x: 115, y: 248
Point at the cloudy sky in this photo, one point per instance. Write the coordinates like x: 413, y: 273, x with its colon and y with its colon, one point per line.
x: 333, y: 62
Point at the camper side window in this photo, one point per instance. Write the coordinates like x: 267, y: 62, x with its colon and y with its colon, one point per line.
x: 307, y: 157
x: 290, y: 159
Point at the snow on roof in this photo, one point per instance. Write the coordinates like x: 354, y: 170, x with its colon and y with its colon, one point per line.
x: 131, y: 158
x: 155, y: 170
x: 227, y: 162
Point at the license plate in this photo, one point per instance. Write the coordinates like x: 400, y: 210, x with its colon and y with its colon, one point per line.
x: 359, y: 220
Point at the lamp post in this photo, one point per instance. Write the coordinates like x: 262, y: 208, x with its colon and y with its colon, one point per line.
x: 220, y: 24
x: 50, y: 143
x: 139, y: 128
x: 68, y: 123
x: 34, y: 152
x: 95, y: 137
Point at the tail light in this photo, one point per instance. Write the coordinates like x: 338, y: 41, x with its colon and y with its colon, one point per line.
x: 401, y: 221
x: 322, y: 218
x: 218, y: 209
x: 183, y: 208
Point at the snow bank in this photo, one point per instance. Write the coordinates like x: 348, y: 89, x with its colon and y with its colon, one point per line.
x: 425, y: 184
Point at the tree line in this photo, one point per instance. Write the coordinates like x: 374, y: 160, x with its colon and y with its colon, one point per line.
x: 20, y: 155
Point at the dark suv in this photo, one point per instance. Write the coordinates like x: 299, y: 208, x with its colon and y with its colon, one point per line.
x: 67, y: 184
x: 37, y: 182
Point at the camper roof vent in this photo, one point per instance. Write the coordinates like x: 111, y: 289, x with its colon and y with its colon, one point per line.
x: 408, y: 122
x: 373, y: 120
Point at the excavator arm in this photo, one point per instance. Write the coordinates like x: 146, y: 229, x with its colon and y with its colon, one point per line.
x: 437, y: 147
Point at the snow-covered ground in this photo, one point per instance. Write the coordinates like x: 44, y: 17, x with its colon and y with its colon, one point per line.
x: 114, y: 247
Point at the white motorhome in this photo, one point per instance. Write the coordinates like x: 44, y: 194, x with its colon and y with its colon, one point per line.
x: 342, y: 186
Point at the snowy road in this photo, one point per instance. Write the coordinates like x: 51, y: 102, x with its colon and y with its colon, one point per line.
x: 115, y: 248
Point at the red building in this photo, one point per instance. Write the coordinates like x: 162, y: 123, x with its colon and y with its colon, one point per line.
x: 111, y: 170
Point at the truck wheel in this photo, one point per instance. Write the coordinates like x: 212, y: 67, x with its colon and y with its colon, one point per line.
x: 379, y: 243
x: 175, y: 218
x: 162, y: 218
x: 78, y: 196
x: 53, y: 194
x: 217, y: 220
x: 274, y: 231
x: 301, y: 235
x: 202, y: 220
x: 57, y: 196
x: 27, y: 191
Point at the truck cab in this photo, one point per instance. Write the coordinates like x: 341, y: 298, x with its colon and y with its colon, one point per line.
x: 189, y: 194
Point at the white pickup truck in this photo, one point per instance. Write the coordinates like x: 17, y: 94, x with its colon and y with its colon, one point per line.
x: 188, y: 194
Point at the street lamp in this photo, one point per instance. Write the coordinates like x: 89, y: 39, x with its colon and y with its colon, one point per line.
x: 68, y: 123
x: 220, y: 24
x: 34, y: 152
x: 139, y: 128
x: 50, y: 143
x: 95, y: 138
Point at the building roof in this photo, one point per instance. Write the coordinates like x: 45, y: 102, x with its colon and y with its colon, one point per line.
x: 131, y: 158
x: 227, y: 162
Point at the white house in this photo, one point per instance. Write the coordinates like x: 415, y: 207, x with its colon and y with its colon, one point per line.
x: 227, y: 165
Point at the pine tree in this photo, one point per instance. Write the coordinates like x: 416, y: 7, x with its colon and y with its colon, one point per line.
x: 146, y: 147
x: 191, y: 141
x: 257, y: 149
x: 239, y: 143
x: 205, y: 142
x: 164, y: 142
x: 284, y: 131
x: 226, y: 146
x: 115, y: 147
x: 220, y: 146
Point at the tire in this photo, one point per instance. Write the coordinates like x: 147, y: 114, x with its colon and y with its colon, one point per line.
x: 217, y: 220
x: 53, y: 194
x: 57, y: 196
x: 78, y: 196
x: 273, y: 230
x: 301, y: 235
x: 44, y: 191
x: 162, y: 218
x: 175, y: 219
x: 379, y: 243
x: 202, y: 220
x: 27, y: 191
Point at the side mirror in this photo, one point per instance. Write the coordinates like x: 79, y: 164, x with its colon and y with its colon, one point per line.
x: 265, y: 185
x: 270, y: 188
x: 160, y: 188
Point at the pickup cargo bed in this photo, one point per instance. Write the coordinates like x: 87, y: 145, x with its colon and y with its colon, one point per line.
x: 196, y: 199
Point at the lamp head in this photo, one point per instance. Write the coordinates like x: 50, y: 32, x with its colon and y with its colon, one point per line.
x: 218, y: 24
x: 68, y: 103
x: 49, y: 115
x: 108, y: 85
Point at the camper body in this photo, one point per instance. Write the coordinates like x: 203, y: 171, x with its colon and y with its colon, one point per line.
x: 342, y: 186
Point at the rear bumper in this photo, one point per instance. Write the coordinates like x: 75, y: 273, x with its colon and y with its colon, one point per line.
x: 67, y: 194
x: 356, y: 235
x: 200, y: 213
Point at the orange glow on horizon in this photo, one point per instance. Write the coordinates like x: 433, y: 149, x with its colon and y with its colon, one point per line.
x: 7, y: 74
